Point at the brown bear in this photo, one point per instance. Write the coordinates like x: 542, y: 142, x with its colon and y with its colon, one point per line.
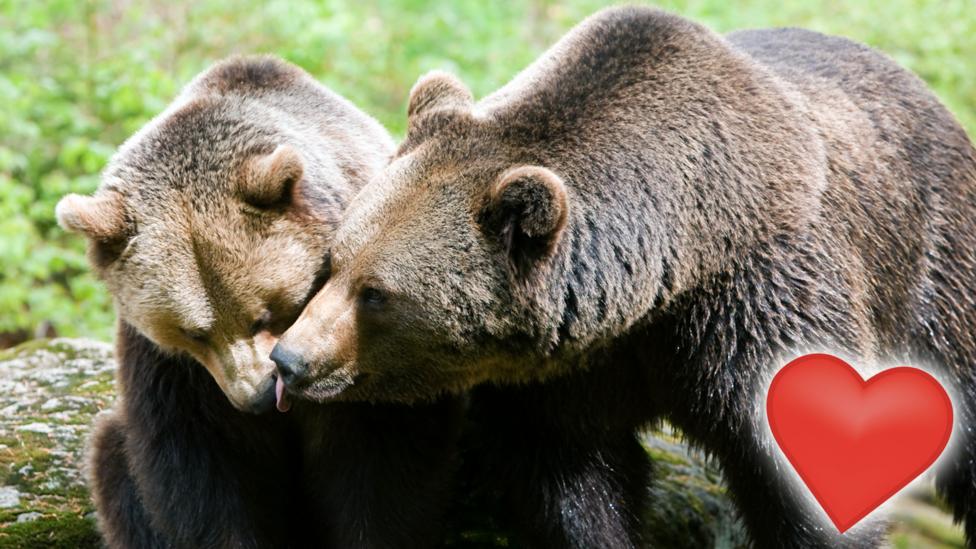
x: 645, y: 224
x: 210, y: 230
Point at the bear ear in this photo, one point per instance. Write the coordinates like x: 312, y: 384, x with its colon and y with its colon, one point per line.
x: 100, y: 217
x: 269, y: 179
x: 438, y: 90
x: 527, y: 209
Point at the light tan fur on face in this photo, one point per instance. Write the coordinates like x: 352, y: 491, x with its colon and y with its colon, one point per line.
x: 329, y: 320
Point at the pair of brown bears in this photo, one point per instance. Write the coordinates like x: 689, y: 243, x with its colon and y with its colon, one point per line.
x: 643, y: 225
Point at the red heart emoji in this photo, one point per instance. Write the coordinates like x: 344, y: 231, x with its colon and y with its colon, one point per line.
x: 855, y: 443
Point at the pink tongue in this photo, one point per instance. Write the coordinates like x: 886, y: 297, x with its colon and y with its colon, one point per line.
x: 281, y: 397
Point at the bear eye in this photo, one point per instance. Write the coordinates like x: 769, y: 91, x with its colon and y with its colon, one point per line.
x: 262, y: 322
x: 198, y: 336
x: 372, y: 297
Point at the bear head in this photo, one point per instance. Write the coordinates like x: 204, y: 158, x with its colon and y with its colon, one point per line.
x: 211, y: 224
x: 435, y: 264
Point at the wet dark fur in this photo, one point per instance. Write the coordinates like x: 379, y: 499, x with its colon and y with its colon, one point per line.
x: 198, y: 472
x: 175, y: 465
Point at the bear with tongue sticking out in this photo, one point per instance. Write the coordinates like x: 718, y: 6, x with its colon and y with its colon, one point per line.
x: 642, y: 225
x: 210, y: 230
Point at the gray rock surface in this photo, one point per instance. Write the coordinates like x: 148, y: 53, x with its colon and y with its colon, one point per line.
x: 50, y: 391
x: 9, y: 497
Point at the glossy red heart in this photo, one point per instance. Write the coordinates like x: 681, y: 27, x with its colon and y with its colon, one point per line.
x: 856, y: 443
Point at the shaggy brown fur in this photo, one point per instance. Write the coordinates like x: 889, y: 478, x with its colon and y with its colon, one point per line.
x: 210, y: 230
x: 645, y: 224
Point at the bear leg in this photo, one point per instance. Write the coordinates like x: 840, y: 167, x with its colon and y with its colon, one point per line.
x: 564, y: 465
x: 579, y: 496
x: 776, y: 508
x: 956, y: 478
x: 122, y: 519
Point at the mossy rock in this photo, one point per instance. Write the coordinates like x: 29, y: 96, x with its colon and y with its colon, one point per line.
x: 50, y: 391
x: 690, y: 507
x: 55, y: 532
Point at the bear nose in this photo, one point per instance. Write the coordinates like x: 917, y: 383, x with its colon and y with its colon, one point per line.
x: 291, y: 366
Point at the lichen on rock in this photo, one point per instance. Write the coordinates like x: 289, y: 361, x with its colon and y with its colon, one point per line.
x: 50, y: 391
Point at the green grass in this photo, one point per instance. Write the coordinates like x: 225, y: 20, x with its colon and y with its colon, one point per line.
x: 52, y: 532
x: 76, y: 78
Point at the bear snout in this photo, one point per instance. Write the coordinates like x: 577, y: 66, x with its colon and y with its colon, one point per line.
x: 292, y: 367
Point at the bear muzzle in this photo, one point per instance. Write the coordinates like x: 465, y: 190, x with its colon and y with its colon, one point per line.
x: 297, y: 377
x: 292, y: 367
x: 245, y: 374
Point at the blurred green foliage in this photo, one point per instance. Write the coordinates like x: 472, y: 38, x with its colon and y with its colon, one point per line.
x: 78, y: 77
